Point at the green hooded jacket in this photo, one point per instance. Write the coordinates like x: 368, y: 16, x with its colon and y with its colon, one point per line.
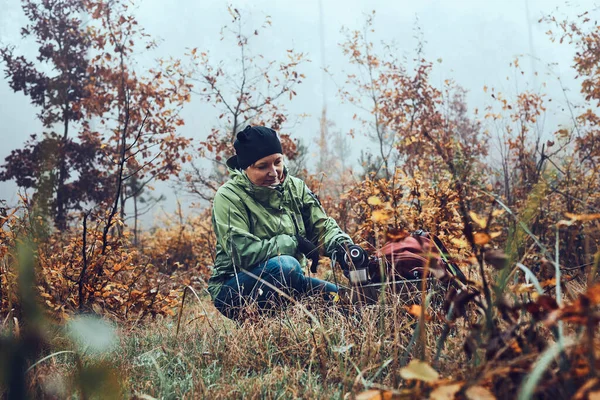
x: 255, y: 223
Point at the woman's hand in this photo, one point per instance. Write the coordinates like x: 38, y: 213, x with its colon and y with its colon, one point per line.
x: 311, y: 251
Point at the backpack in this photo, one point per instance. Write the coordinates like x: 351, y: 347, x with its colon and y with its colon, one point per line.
x: 407, y: 258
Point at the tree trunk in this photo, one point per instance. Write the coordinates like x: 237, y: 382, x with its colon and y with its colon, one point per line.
x: 135, y: 220
x: 60, y: 218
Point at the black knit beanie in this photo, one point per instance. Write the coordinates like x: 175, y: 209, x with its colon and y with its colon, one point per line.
x: 252, y: 144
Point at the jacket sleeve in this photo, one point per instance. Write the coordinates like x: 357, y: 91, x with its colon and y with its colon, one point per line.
x: 321, y: 229
x: 232, y: 229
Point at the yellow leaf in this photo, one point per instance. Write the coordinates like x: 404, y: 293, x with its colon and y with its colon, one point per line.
x: 446, y: 392
x: 524, y: 288
x: 494, y: 235
x: 481, y: 238
x: 374, y: 201
x: 482, y: 222
x: 419, y: 370
x: 335, y: 297
x: 381, y: 216
x: 497, y: 213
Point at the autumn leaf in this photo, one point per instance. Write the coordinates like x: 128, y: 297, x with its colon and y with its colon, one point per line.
x: 548, y: 282
x: 593, y: 294
x: 445, y: 392
x: 374, y: 394
x: 594, y: 395
x: 524, y: 288
x: 415, y: 310
x: 564, y: 222
x: 420, y: 371
x: 374, y: 201
x: 498, y: 212
x: 482, y: 222
x: 396, y: 234
x: 481, y: 238
x: 479, y: 393
x: 582, y: 217
x: 380, y: 216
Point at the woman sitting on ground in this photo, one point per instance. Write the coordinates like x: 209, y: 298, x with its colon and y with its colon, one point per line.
x: 267, y: 224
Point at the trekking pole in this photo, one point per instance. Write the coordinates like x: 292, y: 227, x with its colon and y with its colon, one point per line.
x: 445, y: 256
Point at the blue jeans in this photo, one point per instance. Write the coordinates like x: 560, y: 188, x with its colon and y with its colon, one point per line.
x: 282, y: 272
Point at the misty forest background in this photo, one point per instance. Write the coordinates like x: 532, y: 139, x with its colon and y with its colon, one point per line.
x: 109, y: 172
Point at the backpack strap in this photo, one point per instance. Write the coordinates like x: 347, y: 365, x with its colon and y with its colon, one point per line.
x: 251, y: 223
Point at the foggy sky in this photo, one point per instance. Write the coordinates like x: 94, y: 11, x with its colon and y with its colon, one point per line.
x: 475, y: 39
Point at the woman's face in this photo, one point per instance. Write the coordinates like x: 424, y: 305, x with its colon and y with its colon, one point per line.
x: 268, y: 171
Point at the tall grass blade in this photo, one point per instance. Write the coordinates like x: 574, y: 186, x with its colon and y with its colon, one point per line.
x: 41, y: 360
x: 530, y: 382
x: 558, y: 283
x: 531, y: 277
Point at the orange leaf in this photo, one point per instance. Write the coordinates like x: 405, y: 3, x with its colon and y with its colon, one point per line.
x: 374, y: 394
x: 582, y: 217
x: 593, y: 294
x: 396, y: 234
x: 481, y: 238
x: 415, y: 310
x: 594, y: 395
x: 548, y: 282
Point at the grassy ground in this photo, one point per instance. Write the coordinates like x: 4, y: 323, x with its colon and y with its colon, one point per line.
x: 288, y: 355
x: 307, y: 350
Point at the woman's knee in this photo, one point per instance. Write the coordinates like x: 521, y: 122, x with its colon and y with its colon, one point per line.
x: 284, y: 264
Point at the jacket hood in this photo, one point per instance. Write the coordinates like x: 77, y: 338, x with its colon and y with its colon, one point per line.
x: 263, y: 194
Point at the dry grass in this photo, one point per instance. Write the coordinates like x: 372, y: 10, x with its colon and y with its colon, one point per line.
x: 287, y: 355
x: 308, y: 350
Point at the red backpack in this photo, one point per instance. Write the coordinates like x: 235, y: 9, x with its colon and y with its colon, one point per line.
x: 407, y: 258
